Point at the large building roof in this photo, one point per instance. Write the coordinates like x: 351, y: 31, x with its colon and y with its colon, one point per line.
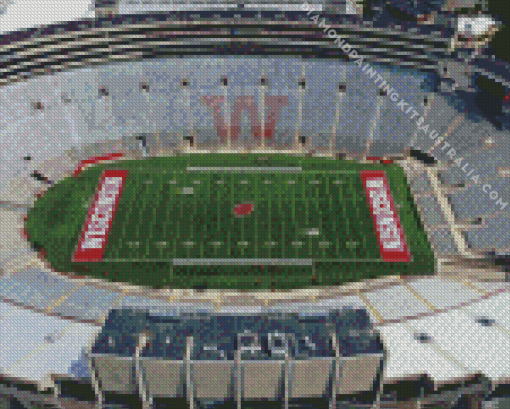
x: 17, y: 15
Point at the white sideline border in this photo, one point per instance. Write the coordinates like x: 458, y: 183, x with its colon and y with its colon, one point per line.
x: 241, y: 261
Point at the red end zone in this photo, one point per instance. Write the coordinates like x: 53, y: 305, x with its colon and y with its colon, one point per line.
x: 95, y: 234
x: 390, y: 235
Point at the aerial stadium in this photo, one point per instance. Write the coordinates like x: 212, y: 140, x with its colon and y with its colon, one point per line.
x: 226, y: 205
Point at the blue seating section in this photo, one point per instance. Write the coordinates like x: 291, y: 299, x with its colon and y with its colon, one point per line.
x: 115, y: 344
x: 495, y: 67
x: 167, y: 344
x: 215, y: 337
x: 495, y: 227
x: 35, y: 288
x: 352, y: 327
x: 120, y: 333
x: 88, y: 302
x: 417, y: 7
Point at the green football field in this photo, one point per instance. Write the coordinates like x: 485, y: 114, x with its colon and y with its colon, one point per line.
x: 176, y: 225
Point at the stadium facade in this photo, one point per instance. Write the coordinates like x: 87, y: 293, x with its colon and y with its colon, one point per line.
x: 160, y: 79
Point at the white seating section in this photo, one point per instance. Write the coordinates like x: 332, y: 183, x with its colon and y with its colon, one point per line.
x: 58, y: 357
x: 23, y: 331
x: 37, y: 288
x: 400, y: 312
x: 14, y: 249
x: 42, y: 12
x: 409, y: 356
x: 75, y: 116
x: 474, y: 346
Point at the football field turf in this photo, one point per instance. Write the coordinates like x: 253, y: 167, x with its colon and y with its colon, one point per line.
x: 233, y: 221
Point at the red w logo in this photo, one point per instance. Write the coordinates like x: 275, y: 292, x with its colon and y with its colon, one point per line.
x: 242, y: 103
x: 243, y: 209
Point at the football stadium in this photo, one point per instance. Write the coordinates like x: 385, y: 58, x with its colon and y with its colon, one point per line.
x: 253, y: 205
x: 233, y: 221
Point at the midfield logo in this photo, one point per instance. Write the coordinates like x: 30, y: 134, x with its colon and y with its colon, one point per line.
x: 245, y: 103
x: 244, y: 209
